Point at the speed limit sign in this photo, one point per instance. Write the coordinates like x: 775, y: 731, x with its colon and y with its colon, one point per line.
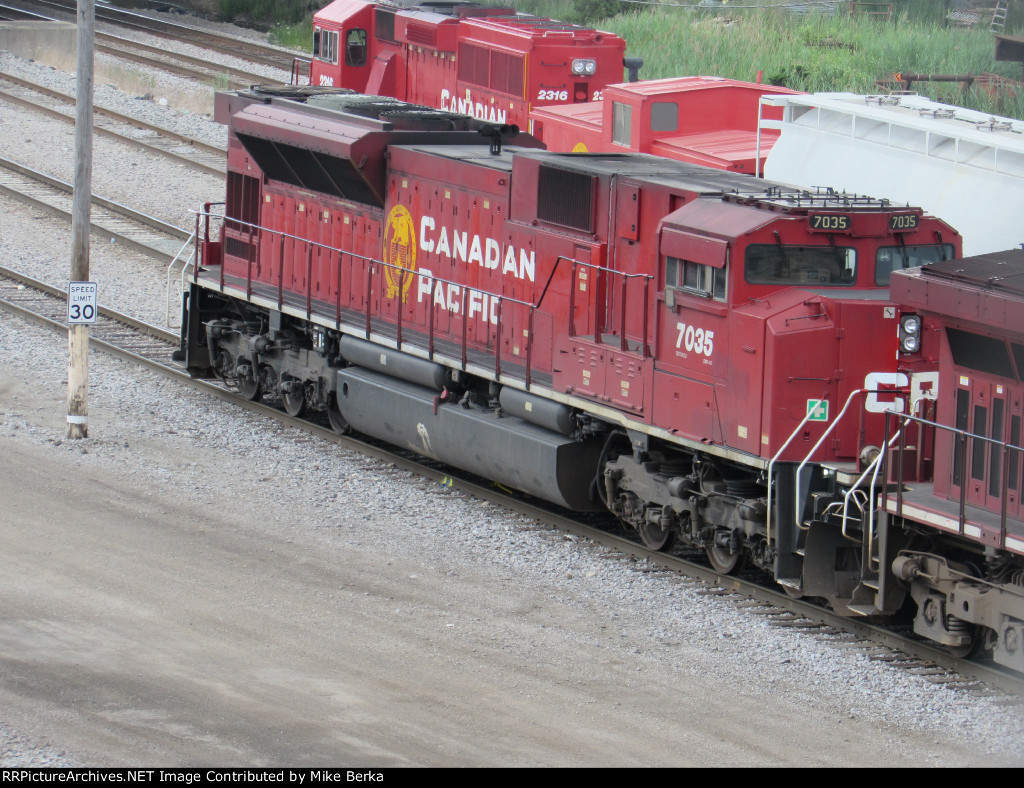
x: 82, y: 302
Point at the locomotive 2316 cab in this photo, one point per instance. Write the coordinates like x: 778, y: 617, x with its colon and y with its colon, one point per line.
x: 488, y: 62
x: 708, y: 357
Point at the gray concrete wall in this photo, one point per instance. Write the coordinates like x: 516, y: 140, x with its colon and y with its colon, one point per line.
x: 26, y: 39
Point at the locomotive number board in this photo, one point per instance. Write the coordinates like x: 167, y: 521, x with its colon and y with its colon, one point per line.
x: 830, y: 222
x: 903, y: 221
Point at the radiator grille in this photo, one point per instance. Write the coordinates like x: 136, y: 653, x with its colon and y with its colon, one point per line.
x: 566, y: 198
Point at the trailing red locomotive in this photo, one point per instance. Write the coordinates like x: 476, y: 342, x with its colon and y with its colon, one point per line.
x: 709, y: 357
x: 491, y: 63
x: 546, y: 76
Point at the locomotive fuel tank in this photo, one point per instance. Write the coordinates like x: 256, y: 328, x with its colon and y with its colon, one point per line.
x: 505, y: 449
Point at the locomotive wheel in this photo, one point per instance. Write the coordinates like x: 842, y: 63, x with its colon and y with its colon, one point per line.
x: 655, y: 537
x: 338, y: 423
x: 723, y: 561
x: 249, y: 388
x: 294, y: 401
x: 972, y: 649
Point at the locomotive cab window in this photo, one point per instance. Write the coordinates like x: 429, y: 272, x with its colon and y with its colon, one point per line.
x: 664, y: 116
x: 622, y: 121
x: 894, y: 258
x: 325, y: 46
x: 355, y: 47
x: 695, y: 278
x: 810, y: 266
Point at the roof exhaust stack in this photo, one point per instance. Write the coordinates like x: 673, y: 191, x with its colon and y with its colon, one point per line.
x: 496, y: 134
x: 633, y: 66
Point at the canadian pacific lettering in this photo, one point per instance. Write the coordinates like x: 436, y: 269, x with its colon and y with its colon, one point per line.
x: 485, y: 252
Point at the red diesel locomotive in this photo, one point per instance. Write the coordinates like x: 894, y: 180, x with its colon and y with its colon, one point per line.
x: 706, y: 356
x: 491, y: 63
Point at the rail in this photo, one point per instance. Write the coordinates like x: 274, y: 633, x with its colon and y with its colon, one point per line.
x: 396, y: 280
x: 961, y: 440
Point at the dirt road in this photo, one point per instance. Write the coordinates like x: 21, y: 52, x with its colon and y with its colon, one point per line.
x: 144, y: 625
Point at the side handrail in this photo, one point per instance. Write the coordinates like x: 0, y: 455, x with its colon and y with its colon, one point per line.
x: 184, y: 272
x: 278, y: 236
x: 771, y: 466
x: 824, y: 435
x: 611, y: 272
x: 873, y: 468
x: 297, y: 62
x: 964, y: 437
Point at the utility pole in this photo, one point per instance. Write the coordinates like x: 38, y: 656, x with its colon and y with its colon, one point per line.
x: 78, y: 334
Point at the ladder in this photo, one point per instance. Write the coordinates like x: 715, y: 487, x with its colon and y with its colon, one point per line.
x: 998, y: 17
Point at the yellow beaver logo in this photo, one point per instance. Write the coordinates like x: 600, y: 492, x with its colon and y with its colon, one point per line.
x: 580, y: 147
x: 399, y: 251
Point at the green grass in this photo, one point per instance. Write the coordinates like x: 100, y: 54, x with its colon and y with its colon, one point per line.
x: 817, y: 52
x: 294, y: 36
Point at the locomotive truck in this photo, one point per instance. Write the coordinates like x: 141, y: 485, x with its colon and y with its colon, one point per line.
x: 711, y: 358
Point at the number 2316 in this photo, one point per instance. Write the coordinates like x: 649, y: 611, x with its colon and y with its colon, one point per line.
x: 694, y: 340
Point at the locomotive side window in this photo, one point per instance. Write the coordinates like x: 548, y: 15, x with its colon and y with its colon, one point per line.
x: 328, y: 46
x: 818, y: 266
x: 664, y: 116
x: 622, y: 121
x: 893, y: 258
x: 704, y: 280
x: 316, y: 42
x: 355, y: 47
x: 979, y: 353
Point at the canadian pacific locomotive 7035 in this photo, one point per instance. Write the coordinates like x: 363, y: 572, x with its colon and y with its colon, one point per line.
x: 712, y: 359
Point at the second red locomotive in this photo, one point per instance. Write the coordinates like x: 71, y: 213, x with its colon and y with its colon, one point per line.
x: 708, y: 357
x: 491, y: 63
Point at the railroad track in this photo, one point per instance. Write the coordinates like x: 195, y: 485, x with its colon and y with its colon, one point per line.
x: 175, y: 63
x: 243, y: 49
x: 152, y: 347
x: 155, y: 139
x: 141, y: 232
x: 113, y: 332
x: 160, y: 58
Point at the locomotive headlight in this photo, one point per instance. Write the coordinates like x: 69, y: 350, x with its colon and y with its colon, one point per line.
x: 910, y: 333
x: 582, y: 66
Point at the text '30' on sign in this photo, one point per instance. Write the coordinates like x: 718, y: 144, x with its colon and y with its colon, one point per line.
x: 82, y: 302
